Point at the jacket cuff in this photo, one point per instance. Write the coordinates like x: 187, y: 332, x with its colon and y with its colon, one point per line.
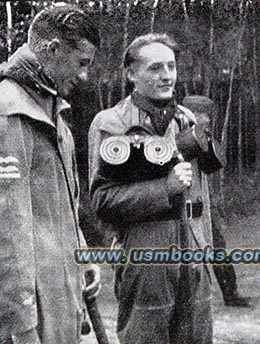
x: 20, y: 318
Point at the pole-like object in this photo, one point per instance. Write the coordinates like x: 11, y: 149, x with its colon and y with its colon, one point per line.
x: 96, y: 321
x: 9, y: 27
x: 185, y: 302
x: 94, y: 313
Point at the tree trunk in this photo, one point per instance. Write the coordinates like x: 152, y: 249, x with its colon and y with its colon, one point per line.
x: 111, y: 84
x: 211, y: 45
x: 239, y: 160
x: 153, y: 15
x: 247, y: 133
x: 125, y: 43
x: 100, y: 95
x: 185, y: 10
x: 240, y: 149
x: 227, y: 114
x: 207, y: 82
x: 225, y: 130
x: 255, y: 94
x: 9, y: 27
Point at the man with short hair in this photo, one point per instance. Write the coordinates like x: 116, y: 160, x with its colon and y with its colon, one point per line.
x: 203, y: 109
x: 136, y: 187
x: 41, y: 286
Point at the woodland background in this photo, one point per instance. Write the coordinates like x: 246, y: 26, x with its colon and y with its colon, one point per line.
x: 219, y: 46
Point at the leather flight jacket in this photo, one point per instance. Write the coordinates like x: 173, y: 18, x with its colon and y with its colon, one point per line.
x: 137, y: 156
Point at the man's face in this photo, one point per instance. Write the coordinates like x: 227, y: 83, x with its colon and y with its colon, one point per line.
x: 154, y: 74
x: 69, y: 65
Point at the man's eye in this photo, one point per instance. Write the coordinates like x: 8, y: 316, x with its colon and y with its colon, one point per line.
x: 171, y: 66
x: 155, y: 67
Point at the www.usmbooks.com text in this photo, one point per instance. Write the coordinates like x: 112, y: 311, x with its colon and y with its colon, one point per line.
x: 171, y: 255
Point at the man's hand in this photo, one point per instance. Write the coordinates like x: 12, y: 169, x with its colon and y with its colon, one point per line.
x: 180, y: 178
x: 92, y: 278
x: 29, y: 337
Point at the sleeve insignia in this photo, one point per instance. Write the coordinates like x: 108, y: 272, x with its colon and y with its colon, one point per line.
x: 9, y: 168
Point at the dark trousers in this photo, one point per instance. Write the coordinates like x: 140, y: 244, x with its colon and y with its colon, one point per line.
x: 191, y: 316
x: 153, y: 308
x: 225, y: 274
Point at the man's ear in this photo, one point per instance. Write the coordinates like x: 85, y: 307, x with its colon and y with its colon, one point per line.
x: 53, y: 45
x: 130, y: 72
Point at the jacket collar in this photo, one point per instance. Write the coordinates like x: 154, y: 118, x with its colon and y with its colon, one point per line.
x: 24, y: 67
x: 171, y: 107
x: 26, y: 90
x: 15, y: 100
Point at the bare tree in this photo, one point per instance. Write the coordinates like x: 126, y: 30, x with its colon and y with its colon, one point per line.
x: 211, y: 46
x: 155, y: 4
x: 185, y: 10
x: 125, y: 43
x: 9, y: 27
x: 255, y: 87
x: 240, y: 115
x: 224, y: 136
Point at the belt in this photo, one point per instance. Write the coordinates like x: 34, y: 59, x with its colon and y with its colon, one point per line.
x: 194, y: 210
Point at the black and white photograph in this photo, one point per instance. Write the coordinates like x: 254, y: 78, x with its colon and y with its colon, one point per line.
x: 130, y: 172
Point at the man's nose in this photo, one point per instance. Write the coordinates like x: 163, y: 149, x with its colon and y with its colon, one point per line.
x: 166, y: 73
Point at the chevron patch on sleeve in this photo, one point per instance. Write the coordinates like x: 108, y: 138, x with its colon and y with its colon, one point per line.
x: 9, y: 168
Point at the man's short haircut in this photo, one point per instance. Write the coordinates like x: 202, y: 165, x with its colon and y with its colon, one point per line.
x: 131, y: 54
x: 66, y: 22
x: 199, y: 104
